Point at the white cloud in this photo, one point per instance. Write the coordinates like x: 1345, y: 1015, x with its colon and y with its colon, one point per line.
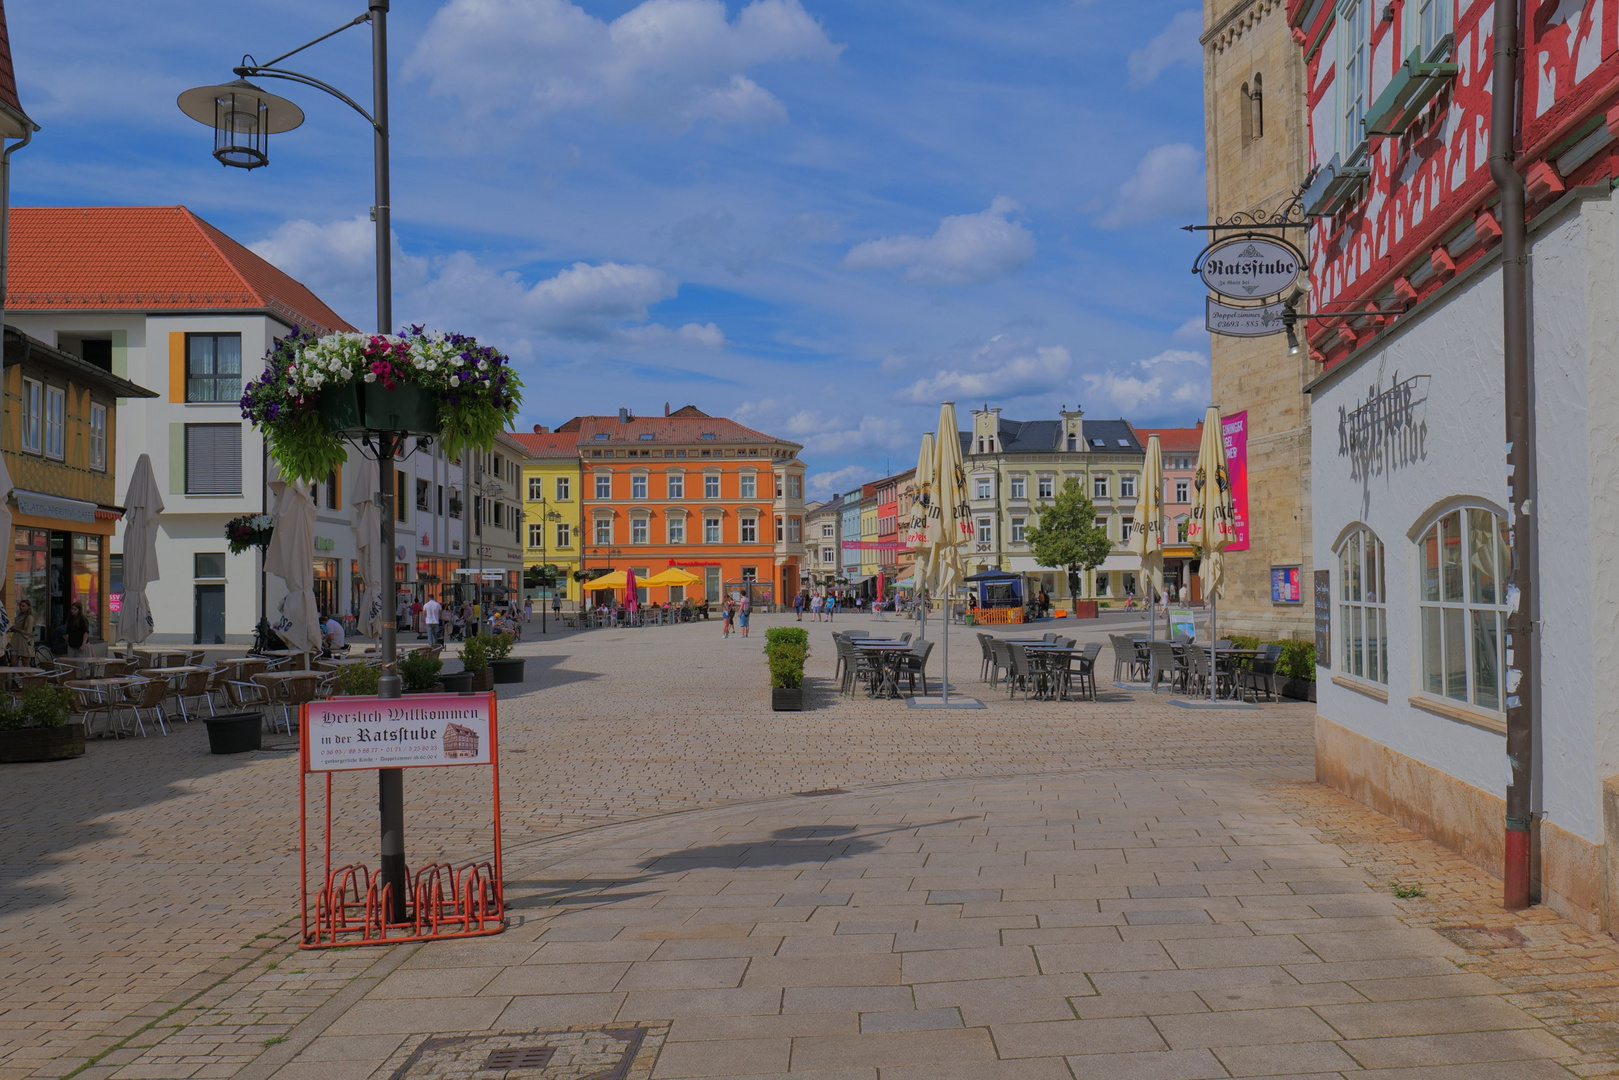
x: 966, y: 248
x: 588, y: 302
x: 1176, y: 44
x: 1002, y: 369
x: 1192, y: 330
x: 668, y: 62
x: 824, y: 485
x: 1168, y: 181
x: 1175, y: 377
x: 829, y: 434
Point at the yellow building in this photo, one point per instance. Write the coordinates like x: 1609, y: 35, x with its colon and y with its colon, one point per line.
x: 553, y: 534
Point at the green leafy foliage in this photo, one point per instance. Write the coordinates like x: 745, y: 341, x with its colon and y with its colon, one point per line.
x: 420, y: 670
x: 786, y: 649
x: 1067, y: 535
x: 11, y: 719
x: 40, y: 707
x: 358, y: 680
x: 500, y: 645
x: 1408, y: 890
x: 1296, y: 662
x: 475, y: 653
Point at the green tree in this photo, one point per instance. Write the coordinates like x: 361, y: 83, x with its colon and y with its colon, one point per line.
x: 1067, y: 535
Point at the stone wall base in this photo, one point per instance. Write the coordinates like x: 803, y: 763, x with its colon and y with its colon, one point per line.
x: 1570, y: 873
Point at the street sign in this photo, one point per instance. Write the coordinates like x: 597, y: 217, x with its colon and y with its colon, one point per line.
x: 1250, y: 267
x: 389, y: 733
x: 1232, y: 321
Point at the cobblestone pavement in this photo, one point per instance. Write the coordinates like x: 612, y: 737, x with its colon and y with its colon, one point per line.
x: 1036, y: 889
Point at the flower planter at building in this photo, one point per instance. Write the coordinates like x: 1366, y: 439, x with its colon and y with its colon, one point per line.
x: 787, y: 700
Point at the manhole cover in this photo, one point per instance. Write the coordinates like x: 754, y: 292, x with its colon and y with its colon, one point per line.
x: 523, y: 1057
x: 607, y: 1052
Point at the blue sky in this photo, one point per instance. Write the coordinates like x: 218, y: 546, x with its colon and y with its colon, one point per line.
x: 820, y: 217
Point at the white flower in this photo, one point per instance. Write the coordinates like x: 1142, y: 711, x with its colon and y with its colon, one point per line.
x: 483, y: 365
x: 370, y: 376
x: 455, y: 380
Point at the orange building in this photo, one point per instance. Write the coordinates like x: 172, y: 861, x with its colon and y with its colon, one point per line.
x: 700, y: 492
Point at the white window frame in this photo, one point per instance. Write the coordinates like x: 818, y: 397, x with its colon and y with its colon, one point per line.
x: 795, y: 530
x: 98, y: 437
x: 1020, y: 487
x: 603, y: 525
x: 1363, y: 618
x: 1047, y: 487
x: 1462, y: 618
x: 1427, y: 24
x: 749, y: 485
x: 795, y: 486
x: 536, y: 535
x: 1127, y: 525
x: 985, y: 531
x: 536, y: 488
x: 33, y: 416
x: 675, y: 528
x: 55, y: 422
x: 604, y: 480
x: 713, y: 532
x: 711, y: 486
x: 1019, y: 530
x: 1099, y: 487
x: 640, y: 530
x: 640, y: 485
x: 749, y: 529
x: 1183, y: 489
x: 983, y: 487
x: 1127, y: 485
x: 676, y: 482
x: 1352, y: 82
x: 564, y: 535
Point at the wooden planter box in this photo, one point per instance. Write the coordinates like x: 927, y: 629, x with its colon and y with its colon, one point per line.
x: 42, y: 744
x: 1085, y: 609
x: 787, y: 700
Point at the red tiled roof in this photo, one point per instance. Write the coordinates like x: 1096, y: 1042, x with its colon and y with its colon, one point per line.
x: 146, y: 258
x: 8, y: 75
x: 669, y: 429
x: 1173, y: 438
x: 549, y: 444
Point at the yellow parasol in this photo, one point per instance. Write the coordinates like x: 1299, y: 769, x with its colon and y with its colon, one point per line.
x: 615, y: 580
x: 674, y: 575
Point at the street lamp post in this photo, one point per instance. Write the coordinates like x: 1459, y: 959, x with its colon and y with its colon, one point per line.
x: 547, y: 516
x: 243, y: 117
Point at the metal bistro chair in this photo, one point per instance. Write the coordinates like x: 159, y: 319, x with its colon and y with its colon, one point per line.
x: 1021, y: 673
x: 987, y: 659
x: 1085, y: 671
x: 1124, y: 656
x: 1001, y: 661
x: 217, y: 678
x: 1260, y: 674
x: 90, y: 700
x: 193, y: 685
x: 146, y: 695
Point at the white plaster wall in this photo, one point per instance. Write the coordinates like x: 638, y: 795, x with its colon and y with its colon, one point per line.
x: 1458, y: 344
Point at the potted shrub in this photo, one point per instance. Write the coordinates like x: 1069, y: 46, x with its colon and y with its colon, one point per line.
x: 358, y: 680
x: 1297, y: 670
x: 475, y: 663
x: 37, y: 728
x: 318, y: 392
x: 786, y: 648
x: 420, y: 672
x: 507, y: 668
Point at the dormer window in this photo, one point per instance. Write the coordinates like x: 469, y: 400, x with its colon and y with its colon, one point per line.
x: 1073, y: 443
x: 602, y: 436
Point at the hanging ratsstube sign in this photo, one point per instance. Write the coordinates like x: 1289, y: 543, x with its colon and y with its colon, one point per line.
x: 1250, y: 267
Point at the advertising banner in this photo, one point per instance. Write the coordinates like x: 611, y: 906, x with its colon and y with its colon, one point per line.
x: 1286, y: 585
x: 1181, y: 622
x: 399, y: 733
x: 1235, y: 430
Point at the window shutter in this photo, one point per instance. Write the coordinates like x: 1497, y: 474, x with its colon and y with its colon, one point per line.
x: 213, y: 459
x: 177, y: 365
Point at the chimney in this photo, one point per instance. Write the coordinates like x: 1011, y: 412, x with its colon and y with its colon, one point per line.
x: 623, y: 416
x: 541, y: 429
x: 666, y: 408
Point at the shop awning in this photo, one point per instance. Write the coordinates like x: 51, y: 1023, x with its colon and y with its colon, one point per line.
x: 36, y: 504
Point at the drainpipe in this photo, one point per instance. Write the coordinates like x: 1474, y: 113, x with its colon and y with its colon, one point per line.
x: 1522, y: 675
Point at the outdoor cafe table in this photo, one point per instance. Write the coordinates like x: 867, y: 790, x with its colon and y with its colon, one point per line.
x: 1234, y: 658
x: 21, y: 671
x: 1052, y: 658
x: 889, y: 655
x: 289, y: 652
x: 187, y: 669
x: 92, y: 665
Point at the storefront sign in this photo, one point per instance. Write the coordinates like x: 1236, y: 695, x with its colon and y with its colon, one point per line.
x: 1388, y: 430
x: 50, y: 506
x: 115, y: 602
x: 1234, y: 428
x: 1230, y: 321
x: 1323, y: 618
x: 391, y: 733
x: 1286, y: 585
x: 1250, y: 267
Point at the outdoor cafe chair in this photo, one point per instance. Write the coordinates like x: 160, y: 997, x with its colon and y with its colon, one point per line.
x: 1085, y: 671
x: 193, y: 685
x: 87, y: 702
x: 917, y: 664
x: 146, y: 696
x: 216, y: 686
x: 1048, y: 637
x: 1001, y: 655
x: 1260, y: 674
x: 1021, y: 674
x: 1163, y: 662
x: 1124, y: 656
x: 987, y: 658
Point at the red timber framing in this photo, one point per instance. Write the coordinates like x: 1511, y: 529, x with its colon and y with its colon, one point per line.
x: 1425, y: 211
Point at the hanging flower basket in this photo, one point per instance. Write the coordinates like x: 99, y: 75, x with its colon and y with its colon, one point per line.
x: 249, y: 531
x: 317, y: 393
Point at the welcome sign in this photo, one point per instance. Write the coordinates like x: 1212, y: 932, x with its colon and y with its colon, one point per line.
x: 347, y: 733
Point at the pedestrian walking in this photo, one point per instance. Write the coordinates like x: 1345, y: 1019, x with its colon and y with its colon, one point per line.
x: 798, y: 607
x: 817, y: 606
x: 431, y: 615
x: 528, y: 610
x: 727, y: 614
x: 831, y: 607
x: 745, y: 610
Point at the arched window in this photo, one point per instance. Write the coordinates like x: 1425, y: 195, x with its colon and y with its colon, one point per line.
x: 1256, y: 108
x: 1363, y: 621
x: 1465, y: 561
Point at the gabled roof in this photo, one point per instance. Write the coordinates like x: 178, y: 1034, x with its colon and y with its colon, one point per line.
x: 684, y: 428
x: 147, y: 258
x: 549, y: 444
x: 14, y: 123
x: 1045, y: 437
x: 1178, y: 439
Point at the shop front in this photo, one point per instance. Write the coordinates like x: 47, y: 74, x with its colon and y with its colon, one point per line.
x: 59, y: 558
